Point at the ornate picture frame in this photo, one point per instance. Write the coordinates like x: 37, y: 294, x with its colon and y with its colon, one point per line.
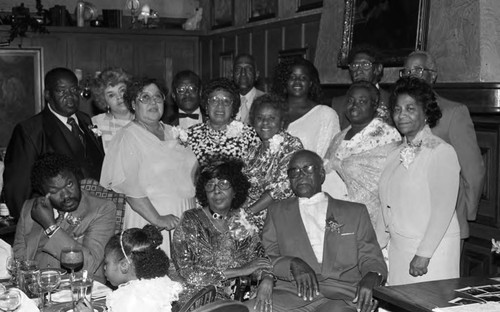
x: 262, y: 9
x: 21, y: 80
x: 222, y: 13
x: 395, y: 27
x: 304, y: 5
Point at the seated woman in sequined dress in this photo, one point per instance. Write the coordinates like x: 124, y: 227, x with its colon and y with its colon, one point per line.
x: 216, y: 244
x: 220, y: 135
x: 267, y: 162
x: 358, y: 153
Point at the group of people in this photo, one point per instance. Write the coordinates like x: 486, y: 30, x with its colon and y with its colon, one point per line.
x: 273, y: 197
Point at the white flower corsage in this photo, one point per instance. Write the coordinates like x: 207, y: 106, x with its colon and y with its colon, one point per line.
x: 95, y: 130
x: 180, y: 134
x: 407, y: 155
x: 333, y: 225
x: 240, y: 228
x: 495, y: 246
x: 234, y: 129
x: 72, y: 220
x: 275, y: 143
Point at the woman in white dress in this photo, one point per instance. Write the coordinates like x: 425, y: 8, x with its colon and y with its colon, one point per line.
x: 418, y: 191
x: 147, y: 163
x: 108, y: 90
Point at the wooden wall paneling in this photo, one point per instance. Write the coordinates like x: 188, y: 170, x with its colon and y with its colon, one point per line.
x: 244, y: 42
x: 184, y: 52
x: 205, y: 58
x: 311, y: 30
x: 477, y: 259
x: 216, y: 52
x: 293, y: 36
x: 55, y: 50
x: 85, y: 52
x: 259, y: 46
x: 230, y: 43
x: 118, y: 52
x: 274, y: 45
x: 149, y: 56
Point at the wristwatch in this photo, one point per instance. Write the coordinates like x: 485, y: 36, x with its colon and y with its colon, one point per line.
x: 51, y: 230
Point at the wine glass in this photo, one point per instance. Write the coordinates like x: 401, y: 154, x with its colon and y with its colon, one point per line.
x: 10, y: 300
x: 48, y: 279
x: 72, y: 259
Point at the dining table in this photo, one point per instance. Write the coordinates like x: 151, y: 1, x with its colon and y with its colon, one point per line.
x: 426, y: 296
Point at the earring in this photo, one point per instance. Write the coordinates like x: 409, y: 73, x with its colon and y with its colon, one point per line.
x: 108, y: 109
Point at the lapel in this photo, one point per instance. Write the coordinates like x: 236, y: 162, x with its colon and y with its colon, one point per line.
x: 58, y: 138
x: 89, y: 135
x: 331, y: 240
x: 299, y: 235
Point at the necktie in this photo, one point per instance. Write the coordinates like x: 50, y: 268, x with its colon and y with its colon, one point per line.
x: 187, y: 115
x: 75, y: 130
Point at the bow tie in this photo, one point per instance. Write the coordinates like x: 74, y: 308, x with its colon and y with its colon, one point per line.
x: 186, y: 115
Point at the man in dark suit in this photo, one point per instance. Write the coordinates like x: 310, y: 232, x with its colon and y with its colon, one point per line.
x: 59, y: 128
x: 457, y: 129
x: 364, y: 65
x: 324, y: 251
x: 63, y: 216
x: 245, y: 74
x: 186, y: 93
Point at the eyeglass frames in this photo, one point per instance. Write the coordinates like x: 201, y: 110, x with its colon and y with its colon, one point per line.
x: 147, y: 98
x: 415, y: 71
x: 186, y: 88
x: 363, y: 65
x: 217, y: 100
x: 306, y: 170
x: 221, y: 184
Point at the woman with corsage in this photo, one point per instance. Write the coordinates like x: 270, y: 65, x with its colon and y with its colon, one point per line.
x: 418, y: 191
x: 215, y: 244
x: 220, y: 135
x: 108, y: 90
x: 358, y: 153
x: 146, y: 162
x: 267, y: 161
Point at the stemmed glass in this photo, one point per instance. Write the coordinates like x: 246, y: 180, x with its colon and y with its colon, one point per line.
x: 48, y: 279
x: 72, y: 259
x: 10, y: 300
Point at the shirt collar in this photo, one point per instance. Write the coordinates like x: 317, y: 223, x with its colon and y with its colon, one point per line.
x: 250, y: 95
x: 62, y: 118
x: 315, y: 199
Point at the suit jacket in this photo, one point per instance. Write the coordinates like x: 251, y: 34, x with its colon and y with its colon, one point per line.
x: 92, y: 234
x: 173, y: 117
x: 40, y: 134
x: 347, y: 256
x: 457, y: 129
x: 339, y: 104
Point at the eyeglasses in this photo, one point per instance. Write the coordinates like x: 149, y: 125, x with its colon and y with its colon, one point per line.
x: 221, y: 184
x: 186, y: 88
x: 415, y: 71
x: 218, y: 100
x: 363, y: 65
x: 306, y: 170
x: 147, y: 98
x: 72, y: 90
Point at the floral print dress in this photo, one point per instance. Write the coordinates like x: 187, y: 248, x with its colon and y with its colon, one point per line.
x: 266, y: 171
x: 232, y: 142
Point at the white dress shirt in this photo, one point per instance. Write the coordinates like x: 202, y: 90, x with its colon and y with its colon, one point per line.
x: 64, y: 119
x: 187, y: 122
x: 246, y: 103
x: 313, y: 214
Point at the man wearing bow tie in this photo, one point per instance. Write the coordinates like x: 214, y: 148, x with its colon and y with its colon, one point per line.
x: 63, y: 216
x: 186, y: 93
x: 324, y: 251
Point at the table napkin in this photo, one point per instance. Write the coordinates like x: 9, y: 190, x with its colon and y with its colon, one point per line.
x: 27, y: 305
x: 5, y: 252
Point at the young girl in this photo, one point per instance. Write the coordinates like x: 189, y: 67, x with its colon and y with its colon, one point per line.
x: 139, y: 269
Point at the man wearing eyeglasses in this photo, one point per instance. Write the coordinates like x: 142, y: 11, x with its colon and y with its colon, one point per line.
x: 58, y: 128
x: 364, y: 65
x: 324, y: 251
x: 457, y: 129
x: 186, y: 93
x: 244, y: 76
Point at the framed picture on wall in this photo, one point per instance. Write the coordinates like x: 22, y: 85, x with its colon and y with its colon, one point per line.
x: 291, y: 54
x: 304, y: 5
x: 394, y: 27
x: 262, y: 9
x: 226, y: 65
x: 21, y: 82
x: 222, y: 13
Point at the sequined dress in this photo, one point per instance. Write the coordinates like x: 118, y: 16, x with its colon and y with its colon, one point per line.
x: 201, y: 252
x: 266, y: 171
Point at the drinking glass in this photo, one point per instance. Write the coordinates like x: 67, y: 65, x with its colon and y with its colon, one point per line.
x: 72, y: 259
x: 12, y: 266
x: 27, y: 274
x: 48, y: 279
x: 81, y: 286
x: 10, y: 300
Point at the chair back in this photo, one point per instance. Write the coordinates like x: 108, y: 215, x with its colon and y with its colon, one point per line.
x: 223, y: 306
x: 204, y: 296
x: 95, y: 189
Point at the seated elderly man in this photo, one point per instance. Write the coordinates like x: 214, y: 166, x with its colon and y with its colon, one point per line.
x: 62, y: 216
x: 324, y: 251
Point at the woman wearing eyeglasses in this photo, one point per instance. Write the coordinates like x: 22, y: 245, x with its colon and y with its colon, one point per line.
x: 314, y: 124
x: 146, y: 162
x: 221, y: 135
x: 216, y: 245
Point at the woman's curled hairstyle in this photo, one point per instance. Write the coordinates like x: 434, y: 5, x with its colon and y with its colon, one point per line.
x: 229, y: 169
x: 140, y: 247
x: 422, y: 93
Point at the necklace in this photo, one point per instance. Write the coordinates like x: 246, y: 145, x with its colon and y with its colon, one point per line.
x: 216, y: 216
